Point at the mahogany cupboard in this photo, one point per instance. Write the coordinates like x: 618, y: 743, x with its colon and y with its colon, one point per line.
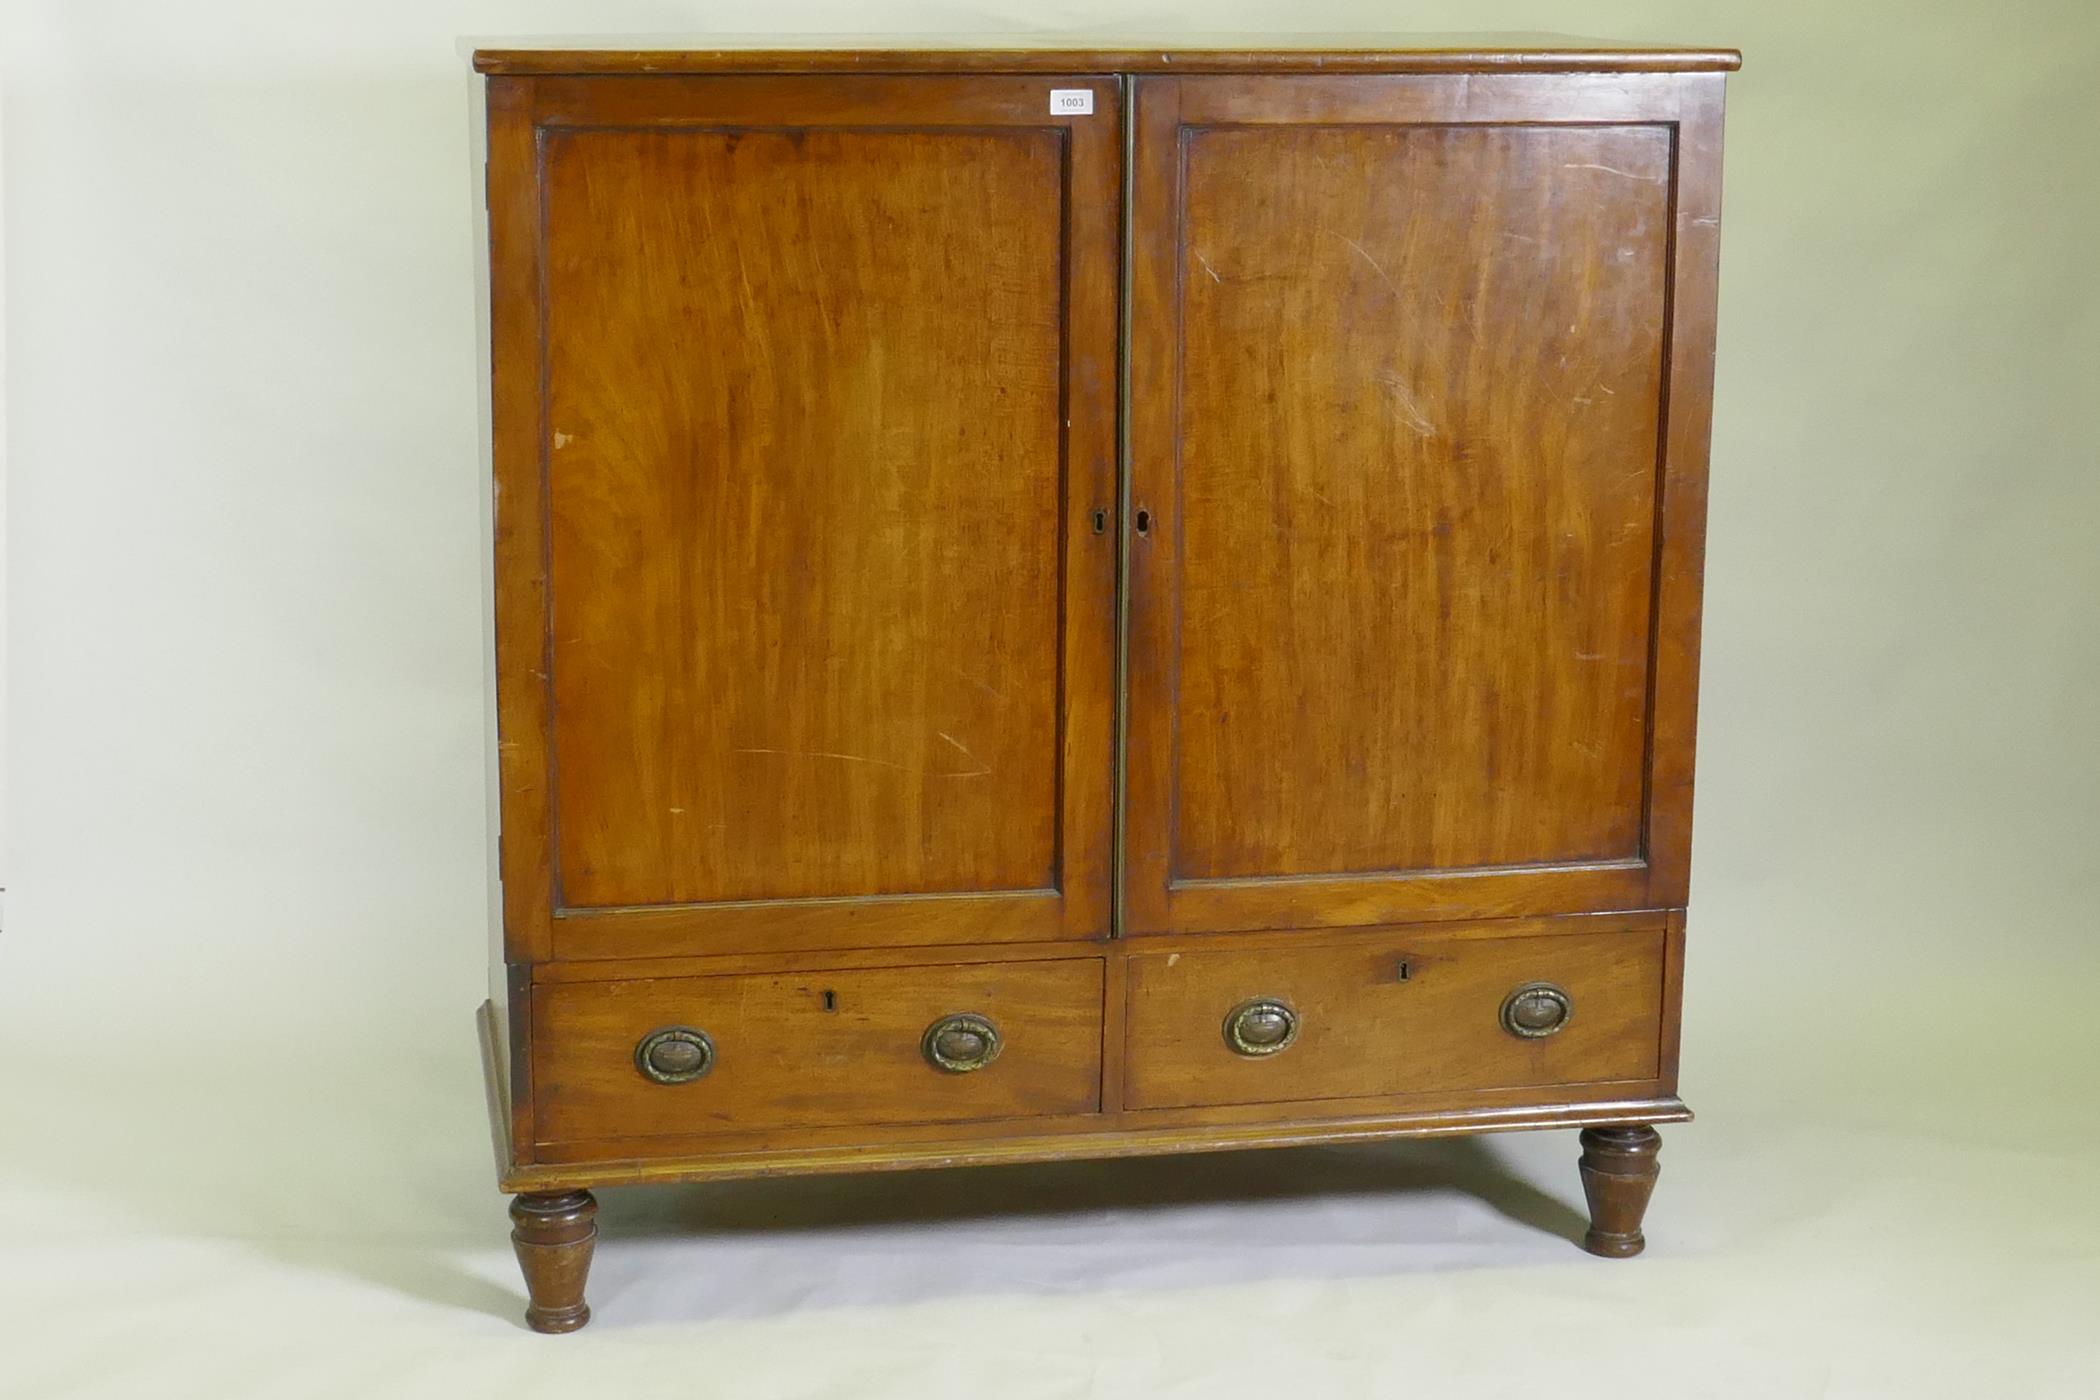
x: 1082, y: 604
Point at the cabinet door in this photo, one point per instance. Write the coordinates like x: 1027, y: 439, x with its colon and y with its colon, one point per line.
x: 804, y: 410
x: 1420, y: 385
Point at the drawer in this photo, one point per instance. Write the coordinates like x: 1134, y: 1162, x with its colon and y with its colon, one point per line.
x: 1341, y: 1020
x: 810, y: 1049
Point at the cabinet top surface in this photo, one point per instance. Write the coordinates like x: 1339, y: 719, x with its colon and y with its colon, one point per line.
x: 1355, y: 53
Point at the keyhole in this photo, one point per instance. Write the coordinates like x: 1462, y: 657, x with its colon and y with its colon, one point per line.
x: 831, y: 1000
x: 1100, y: 521
x: 1144, y: 522
x: 1404, y: 970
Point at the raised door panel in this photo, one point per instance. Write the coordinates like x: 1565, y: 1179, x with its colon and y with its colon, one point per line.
x: 803, y: 579
x: 804, y: 512
x: 1401, y: 446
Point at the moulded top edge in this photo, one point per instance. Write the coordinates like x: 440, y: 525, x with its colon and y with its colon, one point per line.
x: 607, y: 61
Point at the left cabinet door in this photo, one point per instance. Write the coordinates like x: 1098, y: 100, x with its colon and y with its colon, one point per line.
x: 804, y: 448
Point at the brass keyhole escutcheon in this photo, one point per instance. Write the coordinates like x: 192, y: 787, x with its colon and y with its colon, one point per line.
x: 1536, y: 1010
x: 674, y: 1055
x: 1262, y: 1026
x: 962, y: 1043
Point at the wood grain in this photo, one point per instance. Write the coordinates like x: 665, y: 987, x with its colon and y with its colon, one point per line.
x: 1365, y: 1028
x: 798, y: 1050
x: 1418, y: 418
x: 526, y: 849
x: 804, y: 622
x: 1400, y: 431
x: 729, y: 964
x: 1619, y: 1170
x: 553, y: 1234
x: 880, y: 955
x: 785, y: 663
x: 823, y: 925
x: 614, y: 1162
x: 1687, y: 433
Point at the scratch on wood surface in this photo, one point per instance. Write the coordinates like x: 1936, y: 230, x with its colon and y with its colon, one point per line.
x: 1408, y: 408
x: 1376, y: 266
x: 826, y: 753
x: 1611, y: 170
x: 562, y: 440
x: 983, y: 769
x: 992, y: 691
x: 1208, y: 268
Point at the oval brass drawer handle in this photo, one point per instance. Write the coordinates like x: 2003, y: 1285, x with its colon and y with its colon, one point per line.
x: 674, y: 1055
x: 960, y: 1044
x: 1262, y: 1026
x: 1536, y: 1010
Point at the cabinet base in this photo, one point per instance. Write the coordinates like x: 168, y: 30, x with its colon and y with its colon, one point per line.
x: 554, y: 1233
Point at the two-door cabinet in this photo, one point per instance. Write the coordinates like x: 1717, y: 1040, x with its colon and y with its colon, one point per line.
x: 1058, y: 604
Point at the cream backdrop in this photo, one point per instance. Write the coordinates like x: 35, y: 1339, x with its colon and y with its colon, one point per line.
x: 243, y: 1150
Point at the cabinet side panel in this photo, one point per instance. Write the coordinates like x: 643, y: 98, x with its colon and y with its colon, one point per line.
x: 505, y: 1063
x: 492, y: 784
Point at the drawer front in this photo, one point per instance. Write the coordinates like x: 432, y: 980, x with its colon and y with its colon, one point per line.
x: 811, y: 1049
x: 1342, y: 1021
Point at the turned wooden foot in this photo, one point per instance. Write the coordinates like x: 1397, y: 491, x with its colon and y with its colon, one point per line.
x: 1618, y: 1175
x: 553, y: 1232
